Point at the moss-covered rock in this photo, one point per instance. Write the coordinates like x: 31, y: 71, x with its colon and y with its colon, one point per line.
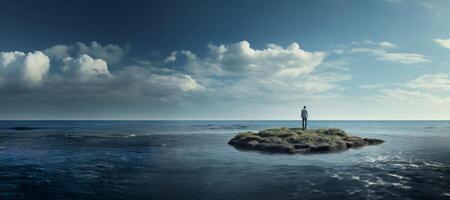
x: 296, y: 140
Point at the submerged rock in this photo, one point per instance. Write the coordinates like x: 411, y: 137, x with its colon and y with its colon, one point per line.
x: 297, y: 140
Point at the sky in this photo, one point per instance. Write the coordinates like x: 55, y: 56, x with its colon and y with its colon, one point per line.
x: 225, y: 59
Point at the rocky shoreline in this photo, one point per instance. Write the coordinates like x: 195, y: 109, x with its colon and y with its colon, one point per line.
x: 296, y: 140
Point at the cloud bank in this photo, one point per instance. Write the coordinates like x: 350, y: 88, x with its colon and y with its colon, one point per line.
x: 23, y: 70
x: 275, y: 73
x: 226, y: 74
x: 234, y: 76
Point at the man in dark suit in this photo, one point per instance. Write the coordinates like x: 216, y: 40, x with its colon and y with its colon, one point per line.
x: 304, y: 114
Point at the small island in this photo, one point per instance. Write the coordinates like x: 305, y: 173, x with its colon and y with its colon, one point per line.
x: 297, y: 140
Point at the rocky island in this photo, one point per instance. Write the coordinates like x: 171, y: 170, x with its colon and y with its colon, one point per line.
x: 297, y: 140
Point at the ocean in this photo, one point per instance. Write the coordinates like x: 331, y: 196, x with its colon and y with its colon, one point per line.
x: 192, y: 160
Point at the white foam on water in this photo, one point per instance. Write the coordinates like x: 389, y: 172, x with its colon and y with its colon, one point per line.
x: 396, y: 161
x: 398, y: 176
x: 311, y: 183
x: 400, y: 185
x: 131, y: 135
x: 377, y: 182
x: 434, y: 164
x: 317, y: 191
x: 371, y: 180
x: 353, y: 191
x: 336, y: 176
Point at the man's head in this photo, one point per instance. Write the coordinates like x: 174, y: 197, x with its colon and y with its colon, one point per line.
x: 304, y: 107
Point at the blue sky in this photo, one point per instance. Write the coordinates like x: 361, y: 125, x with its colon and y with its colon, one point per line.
x: 375, y: 59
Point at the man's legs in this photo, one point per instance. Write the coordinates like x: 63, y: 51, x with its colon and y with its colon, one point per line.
x: 306, y: 123
x: 303, y: 123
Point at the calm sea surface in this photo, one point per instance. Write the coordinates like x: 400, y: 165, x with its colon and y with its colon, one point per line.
x: 191, y: 160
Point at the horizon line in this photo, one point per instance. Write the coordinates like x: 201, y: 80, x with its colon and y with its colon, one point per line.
x: 223, y: 120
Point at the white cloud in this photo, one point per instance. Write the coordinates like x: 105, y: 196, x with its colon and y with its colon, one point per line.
x: 23, y: 70
x: 58, y: 51
x: 403, y: 58
x: 112, y: 54
x: 181, y: 82
x: 263, y: 89
x: 426, y: 89
x: 374, y: 86
x: 172, y: 57
x: 439, y: 81
x: 443, y: 42
x: 336, y: 64
x: 225, y: 74
x: 240, y: 58
x: 238, y: 71
x: 86, y: 76
x: 157, y: 83
x: 386, y: 44
x: 382, y: 51
x: 86, y: 67
x: 168, y: 87
x: 402, y: 96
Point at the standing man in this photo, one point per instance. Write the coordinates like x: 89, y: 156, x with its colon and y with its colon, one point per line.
x: 304, y: 117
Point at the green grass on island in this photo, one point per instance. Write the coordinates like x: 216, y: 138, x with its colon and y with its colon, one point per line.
x: 297, y: 140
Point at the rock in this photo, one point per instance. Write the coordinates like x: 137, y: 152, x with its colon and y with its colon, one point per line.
x: 244, y: 144
x: 303, y: 150
x: 372, y: 141
x: 301, y: 146
x: 350, y: 144
x: 338, y: 146
x: 296, y: 140
x: 320, y: 148
x: 252, y: 143
x: 355, y: 141
x: 275, y: 147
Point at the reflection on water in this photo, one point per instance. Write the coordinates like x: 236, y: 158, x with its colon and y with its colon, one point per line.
x: 191, y: 160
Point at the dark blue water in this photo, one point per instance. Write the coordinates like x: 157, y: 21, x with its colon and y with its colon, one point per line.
x: 191, y: 160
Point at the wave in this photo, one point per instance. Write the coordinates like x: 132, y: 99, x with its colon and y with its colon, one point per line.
x: 398, y: 176
x: 389, y: 171
x: 106, y: 140
x: 22, y: 128
x: 369, y: 180
x: 99, y: 135
x: 218, y: 127
x: 429, y: 127
x: 398, y: 162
